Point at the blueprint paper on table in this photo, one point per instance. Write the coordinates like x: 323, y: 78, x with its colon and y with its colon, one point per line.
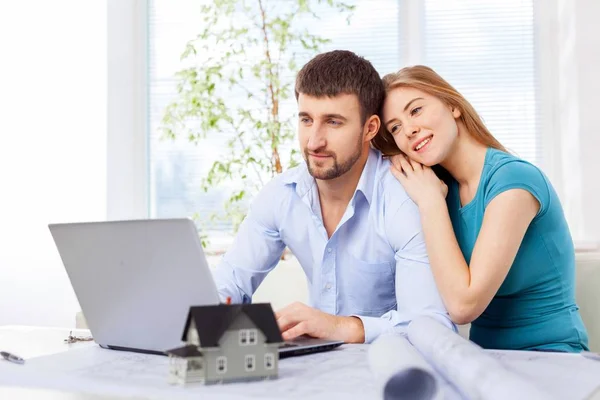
x: 461, y: 368
x: 338, y: 374
x: 393, y: 359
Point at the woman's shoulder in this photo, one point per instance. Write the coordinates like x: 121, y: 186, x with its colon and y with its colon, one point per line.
x: 500, y: 165
x: 504, y: 171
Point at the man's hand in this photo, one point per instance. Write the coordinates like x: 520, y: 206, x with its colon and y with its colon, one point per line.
x: 299, y: 319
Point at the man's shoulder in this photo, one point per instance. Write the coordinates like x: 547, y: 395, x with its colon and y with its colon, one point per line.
x: 396, y: 210
x: 388, y: 188
x: 285, y: 182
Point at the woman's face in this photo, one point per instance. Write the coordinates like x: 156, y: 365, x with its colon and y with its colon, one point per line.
x: 423, y: 127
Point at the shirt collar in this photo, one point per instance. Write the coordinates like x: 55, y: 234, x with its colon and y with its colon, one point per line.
x: 367, y: 177
x: 304, y: 181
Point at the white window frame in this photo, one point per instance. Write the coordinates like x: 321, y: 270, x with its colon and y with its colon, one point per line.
x: 243, y: 337
x: 251, y: 357
x: 221, y: 360
x: 127, y: 114
x: 252, y: 337
x: 269, y: 357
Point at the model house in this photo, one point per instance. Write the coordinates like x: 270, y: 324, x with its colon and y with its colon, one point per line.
x: 227, y: 343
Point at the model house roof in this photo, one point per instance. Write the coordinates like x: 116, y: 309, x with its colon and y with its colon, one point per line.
x: 212, y: 321
x: 185, y: 351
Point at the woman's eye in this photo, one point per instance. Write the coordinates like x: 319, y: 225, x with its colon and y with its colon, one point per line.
x: 394, y: 129
x: 415, y: 110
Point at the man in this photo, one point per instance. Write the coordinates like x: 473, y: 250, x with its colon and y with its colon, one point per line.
x: 352, y: 227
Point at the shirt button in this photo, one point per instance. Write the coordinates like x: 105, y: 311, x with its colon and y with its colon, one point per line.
x: 328, y: 286
x: 329, y: 250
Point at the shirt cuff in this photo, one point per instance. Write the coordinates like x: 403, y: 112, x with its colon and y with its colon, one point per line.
x: 374, y: 327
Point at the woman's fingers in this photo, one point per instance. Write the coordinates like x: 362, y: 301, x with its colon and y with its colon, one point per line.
x: 398, y: 174
x: 406, y: 165
x: 415, y: 165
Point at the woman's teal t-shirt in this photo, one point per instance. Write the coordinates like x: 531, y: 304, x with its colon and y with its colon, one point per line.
x: 535, y: 306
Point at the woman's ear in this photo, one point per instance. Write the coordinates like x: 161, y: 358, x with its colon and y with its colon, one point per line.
x: 455, y: 111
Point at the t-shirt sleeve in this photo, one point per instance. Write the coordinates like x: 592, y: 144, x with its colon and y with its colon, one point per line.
x: 519, y: 174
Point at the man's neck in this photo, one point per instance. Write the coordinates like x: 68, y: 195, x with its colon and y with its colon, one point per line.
x: 339, y: 191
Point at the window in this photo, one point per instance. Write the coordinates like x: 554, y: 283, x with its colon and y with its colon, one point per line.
x: 176, y: 168
x: 248, y: 336
x: 250, y: 362
x: 269, y: 361
x: 243, y: 337
x: 252, y: 333
x: 193, y: 335
x: 194, y: 365
x: 221, y: 365
x: 486, y: 49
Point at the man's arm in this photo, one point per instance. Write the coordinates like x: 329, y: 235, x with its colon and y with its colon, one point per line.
x: 416, y: 292
x: 256, y: 249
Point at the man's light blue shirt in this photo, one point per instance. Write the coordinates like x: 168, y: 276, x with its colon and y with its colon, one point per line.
x: 374, y: 266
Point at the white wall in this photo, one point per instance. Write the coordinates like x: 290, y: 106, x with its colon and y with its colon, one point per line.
x: 52, y: 147
x: 577, y: 137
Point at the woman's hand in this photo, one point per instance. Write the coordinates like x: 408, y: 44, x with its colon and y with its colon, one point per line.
x: 419, y: 181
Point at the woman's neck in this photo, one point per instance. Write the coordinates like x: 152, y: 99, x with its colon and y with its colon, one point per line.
x: 465, y: 160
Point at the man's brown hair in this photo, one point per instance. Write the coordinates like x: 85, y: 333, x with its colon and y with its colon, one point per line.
x: 342, y: 72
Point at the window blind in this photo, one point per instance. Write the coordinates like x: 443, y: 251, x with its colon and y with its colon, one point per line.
x: 176, y: 168
x: 486, y: 49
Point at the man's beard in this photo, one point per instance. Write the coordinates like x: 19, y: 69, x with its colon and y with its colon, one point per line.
x: 337, y: 169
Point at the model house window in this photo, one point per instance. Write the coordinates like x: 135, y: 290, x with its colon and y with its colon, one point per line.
x: 269, y: 361
x: 193, y: 336
x: 250, y: 362
x: 194, y: 365
x: 243, y: 337
x: 252, y: 334
x: 221, y: 365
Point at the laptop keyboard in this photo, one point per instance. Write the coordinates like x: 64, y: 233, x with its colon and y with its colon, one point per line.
x: 287, y: 345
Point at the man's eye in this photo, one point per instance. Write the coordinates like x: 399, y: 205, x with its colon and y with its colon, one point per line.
x: 334, y: 123
x: 305, y: 120
x: 415, y: 110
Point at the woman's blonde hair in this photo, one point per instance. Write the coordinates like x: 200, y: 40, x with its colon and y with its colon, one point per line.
x: 427, y: 80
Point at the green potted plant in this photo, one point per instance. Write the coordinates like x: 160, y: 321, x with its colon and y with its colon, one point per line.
x: 239, y: 73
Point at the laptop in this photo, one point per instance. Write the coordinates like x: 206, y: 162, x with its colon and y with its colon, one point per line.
x: 136, y: 280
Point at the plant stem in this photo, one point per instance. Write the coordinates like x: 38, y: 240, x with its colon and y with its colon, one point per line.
x: 274, y: 101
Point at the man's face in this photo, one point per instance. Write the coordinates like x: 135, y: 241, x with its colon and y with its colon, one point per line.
x: 330, y: 134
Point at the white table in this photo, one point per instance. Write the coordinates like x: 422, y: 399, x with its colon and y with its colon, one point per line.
x: 28, y: 342
x: 327, y: 371
x: 340, y: 374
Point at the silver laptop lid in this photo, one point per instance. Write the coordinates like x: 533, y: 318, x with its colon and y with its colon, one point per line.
x: 135, y: 280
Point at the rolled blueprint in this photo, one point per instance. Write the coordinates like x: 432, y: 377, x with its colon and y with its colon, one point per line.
x: 476, y: 374
x: 400, y: 371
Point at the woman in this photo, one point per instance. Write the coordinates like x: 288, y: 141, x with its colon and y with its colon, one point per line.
x: 498, y: 242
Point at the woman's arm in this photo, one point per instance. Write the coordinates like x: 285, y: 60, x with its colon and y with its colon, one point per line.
x: 467, y: 290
